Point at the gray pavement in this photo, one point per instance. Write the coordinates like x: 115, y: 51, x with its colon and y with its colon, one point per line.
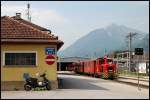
x: 144, y: 82
x: 83, y: 87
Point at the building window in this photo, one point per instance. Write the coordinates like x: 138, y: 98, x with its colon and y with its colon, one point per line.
x: 20, y: 59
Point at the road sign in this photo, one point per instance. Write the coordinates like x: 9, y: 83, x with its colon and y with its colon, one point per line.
x: 50, y: 59
x: 142, y: 67
x: 138, y: 51
x: 50, y: 51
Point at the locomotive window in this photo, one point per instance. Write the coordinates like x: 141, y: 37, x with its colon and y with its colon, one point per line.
x: 101, y: 61
x: 110, y: 60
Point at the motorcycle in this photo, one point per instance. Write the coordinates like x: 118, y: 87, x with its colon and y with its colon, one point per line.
x: 33, y: 83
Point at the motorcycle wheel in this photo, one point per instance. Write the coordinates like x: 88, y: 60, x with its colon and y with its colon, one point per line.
x: 48, y: 87
x: 27, y: 87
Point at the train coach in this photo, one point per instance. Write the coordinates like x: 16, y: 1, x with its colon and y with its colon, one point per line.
x: 100, y: 67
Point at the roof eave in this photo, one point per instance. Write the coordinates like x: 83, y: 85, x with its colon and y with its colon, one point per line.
x: 59, y: 43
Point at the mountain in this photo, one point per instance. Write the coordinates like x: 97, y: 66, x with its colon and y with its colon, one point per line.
x: 102, y: 40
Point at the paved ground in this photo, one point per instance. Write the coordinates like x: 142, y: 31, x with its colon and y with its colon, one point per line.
x: 143, y: 82
x: 82, y: 87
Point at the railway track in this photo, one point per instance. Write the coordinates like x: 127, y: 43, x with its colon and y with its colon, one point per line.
x: 144, y: 83
x: 141, y: 79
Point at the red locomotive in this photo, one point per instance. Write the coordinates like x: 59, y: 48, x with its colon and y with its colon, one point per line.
x: 100, y: 67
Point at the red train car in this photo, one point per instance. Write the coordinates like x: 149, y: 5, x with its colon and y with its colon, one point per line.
x: 98, y: 68
x: 101, y: 67
x: 81, y: 67
x: 70, y: 67
x: 89, y: 67
x: 78, y: 67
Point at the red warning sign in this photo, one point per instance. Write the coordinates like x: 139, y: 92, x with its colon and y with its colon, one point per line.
x: 50, y: 59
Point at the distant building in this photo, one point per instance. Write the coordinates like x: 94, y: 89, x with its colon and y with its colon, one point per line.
x: 122, y: 59
x: 65, y: 62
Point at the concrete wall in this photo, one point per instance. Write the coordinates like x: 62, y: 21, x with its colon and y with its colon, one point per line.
x: 14, y: 74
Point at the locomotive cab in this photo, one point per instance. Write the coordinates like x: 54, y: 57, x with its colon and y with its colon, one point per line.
x: 109, y: 67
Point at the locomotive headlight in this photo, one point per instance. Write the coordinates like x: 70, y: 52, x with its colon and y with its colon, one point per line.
x: 110, y: 62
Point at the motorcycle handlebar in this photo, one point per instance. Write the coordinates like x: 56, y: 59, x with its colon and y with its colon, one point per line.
x: 43, y: 75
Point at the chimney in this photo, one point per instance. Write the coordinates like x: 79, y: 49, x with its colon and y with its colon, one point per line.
x: 18, y: 15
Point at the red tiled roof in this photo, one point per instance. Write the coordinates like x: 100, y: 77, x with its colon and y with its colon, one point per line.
x: 11, y: 28
x: 14, y: 30
x: 29, y: 23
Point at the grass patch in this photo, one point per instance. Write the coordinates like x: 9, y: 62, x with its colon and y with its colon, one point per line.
x: 131, y: 74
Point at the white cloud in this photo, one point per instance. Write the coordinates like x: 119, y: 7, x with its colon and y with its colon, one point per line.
x: 44, y: 17
x: 11, y: 10
x: 47, y: 18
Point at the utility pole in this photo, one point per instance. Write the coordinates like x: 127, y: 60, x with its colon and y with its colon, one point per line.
x: 129, y: 36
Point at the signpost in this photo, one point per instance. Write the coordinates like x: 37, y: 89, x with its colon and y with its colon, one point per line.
x: 50, y: 59
x: 50, y: 51
x: 139, y: 52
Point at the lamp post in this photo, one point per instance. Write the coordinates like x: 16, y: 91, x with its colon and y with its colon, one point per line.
x: 139, y: 52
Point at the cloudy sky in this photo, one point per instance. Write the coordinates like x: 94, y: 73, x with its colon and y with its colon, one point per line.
x: 71, y: 20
